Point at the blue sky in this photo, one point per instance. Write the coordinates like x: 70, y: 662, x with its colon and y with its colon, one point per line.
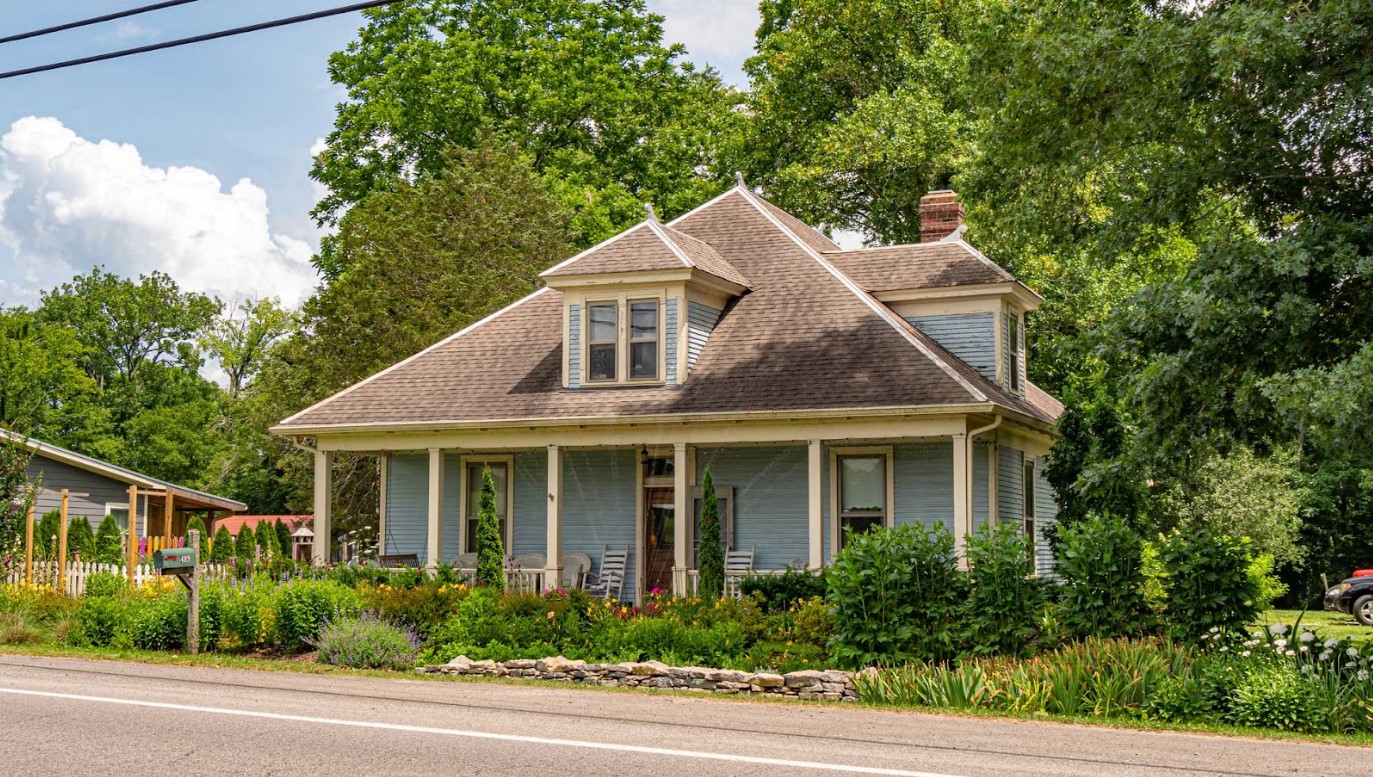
x: 195, y: 160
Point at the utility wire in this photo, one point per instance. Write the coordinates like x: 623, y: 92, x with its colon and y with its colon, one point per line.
x: 109, y: 17
x: 197, y: 38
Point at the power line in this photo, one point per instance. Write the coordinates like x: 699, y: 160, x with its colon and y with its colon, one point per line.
x: 198, y: 38
x: 109, y: 17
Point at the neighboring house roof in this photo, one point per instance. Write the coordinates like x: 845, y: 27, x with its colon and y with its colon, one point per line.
x: 235, y: 523
x: 648, y: 246
x: 918, y: 266
x: 122, y: 474
x: 805, y: 337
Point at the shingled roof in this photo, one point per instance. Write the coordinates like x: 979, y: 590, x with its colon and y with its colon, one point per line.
x: 804, y: 337
x: 918, y: 266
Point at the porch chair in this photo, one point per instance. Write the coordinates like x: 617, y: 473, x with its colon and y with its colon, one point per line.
x: 738, y: 565
x: 576, y: 567
x: 465, y: 564
x: 609, y: 581
x: 523, y: 573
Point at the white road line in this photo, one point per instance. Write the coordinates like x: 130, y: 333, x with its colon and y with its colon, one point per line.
x: 749, y: 759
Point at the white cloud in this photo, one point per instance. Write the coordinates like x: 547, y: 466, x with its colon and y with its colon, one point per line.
x: 127, y: 30
x: 68, y: 204
x: 715, y: 32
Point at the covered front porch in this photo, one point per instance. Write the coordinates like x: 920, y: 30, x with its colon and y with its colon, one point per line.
x: 783, y: 501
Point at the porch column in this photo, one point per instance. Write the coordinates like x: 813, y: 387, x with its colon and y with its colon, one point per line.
x: 815, y: 494
x: 681, y: 518
x: 962, y: 491
x: 553, y: 542
x: 324, y: 497
x: 435, y: 535
x: 384, y: 473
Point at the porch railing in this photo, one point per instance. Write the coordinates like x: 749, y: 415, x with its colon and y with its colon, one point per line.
x: 686, y: 582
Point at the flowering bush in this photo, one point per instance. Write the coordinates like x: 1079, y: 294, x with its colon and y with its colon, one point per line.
x: 366, y: 642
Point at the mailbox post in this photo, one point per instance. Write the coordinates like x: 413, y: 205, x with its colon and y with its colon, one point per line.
x: 183, y: 563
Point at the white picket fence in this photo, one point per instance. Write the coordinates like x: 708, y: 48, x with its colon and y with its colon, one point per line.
x: 78, y: 572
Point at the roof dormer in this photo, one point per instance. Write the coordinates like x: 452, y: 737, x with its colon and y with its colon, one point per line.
x: 951, y: 291
x: 638, y: 307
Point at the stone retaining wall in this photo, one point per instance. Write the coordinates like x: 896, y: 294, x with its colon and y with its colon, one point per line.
x: 830, y: 685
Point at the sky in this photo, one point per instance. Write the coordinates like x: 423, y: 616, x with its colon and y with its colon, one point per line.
x: 195, y: 161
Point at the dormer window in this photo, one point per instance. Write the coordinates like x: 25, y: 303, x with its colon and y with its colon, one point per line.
x: 603, y: 341
x: 643, y: 339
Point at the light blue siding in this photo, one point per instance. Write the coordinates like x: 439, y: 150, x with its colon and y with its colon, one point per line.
x: 969, y: 336
x: 1046, y: 515
x: 531, y: 503
x: 1010, y: 471
x: 407, y: 504
x: 981, y: 458
x: 924, y: 483
x: 1007, y: 358
x: 701, y: 321
x: 599, y: 505
x: 771, y: 510
x: 574, y: 346
x: 670, y: 315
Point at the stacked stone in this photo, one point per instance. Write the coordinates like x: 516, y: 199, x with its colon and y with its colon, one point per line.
x: 826, y: 685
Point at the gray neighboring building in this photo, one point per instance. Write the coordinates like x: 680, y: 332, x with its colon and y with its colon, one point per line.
x: 103, y: 489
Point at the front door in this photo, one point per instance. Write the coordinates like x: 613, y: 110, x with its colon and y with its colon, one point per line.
x: 659, y: 530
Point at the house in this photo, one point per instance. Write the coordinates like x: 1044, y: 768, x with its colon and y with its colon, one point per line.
x: 825, y: 389
x: 235, y: 523
x: 98, y: 488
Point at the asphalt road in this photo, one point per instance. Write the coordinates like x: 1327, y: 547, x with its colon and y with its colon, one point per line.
x: 72, y: 717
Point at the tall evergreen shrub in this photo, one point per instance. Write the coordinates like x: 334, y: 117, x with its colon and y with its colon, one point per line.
x: 267, y: 542
x: 108, y: 548
x: 195, y: 524
x: 245, y: 545
x: 1101, y: 565
x: 710, y: 555
x: 284, y: 541
x: 80, y: 538
x: 490, y: 546
x: 45, y: 535
x: 222, y: 549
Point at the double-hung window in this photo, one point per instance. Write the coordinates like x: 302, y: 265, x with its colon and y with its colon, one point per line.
x: 862, y: 493
x: 603, y: 341
x: 626, y: 332
x: 643, y: 339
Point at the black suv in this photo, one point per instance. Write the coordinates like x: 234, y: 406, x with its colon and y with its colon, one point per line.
x: 1353, y: 596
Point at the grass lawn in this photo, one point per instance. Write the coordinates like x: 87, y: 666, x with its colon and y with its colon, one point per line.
x: 1331, y: 624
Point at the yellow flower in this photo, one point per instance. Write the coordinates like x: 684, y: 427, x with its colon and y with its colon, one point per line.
x: 551, y: 614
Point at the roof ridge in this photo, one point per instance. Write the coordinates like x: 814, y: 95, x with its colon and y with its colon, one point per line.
x: 661, y: 233
x: 415, y: 356
x: 966, y: 246
x: 876, y: 307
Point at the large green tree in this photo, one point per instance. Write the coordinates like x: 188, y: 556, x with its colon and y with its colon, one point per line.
x: 859, y: 108
x: 42, y: 386
x: 586, y: 88
x: 240, y: 340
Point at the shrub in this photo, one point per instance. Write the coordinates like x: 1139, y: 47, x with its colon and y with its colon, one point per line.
x: 80, y: 538
x: 490, y: 546
x: 266, y: 538
x: 98, y: 620
x: 203, y: 550
x: 284, y: 541
x: 422, y: 608
x: 105, y: 584
x: 710, y: 561
x: 107, y: 542
x: 1266, y: 582
x: 159, y: 623
x: 1208, y: 583
x: 248, y: 614
x: 777, y: 593
x: 45, y: 535
x: 1101, y: 568
x: 300, y: 607
x: 366, y: 642
x: 1277, y: 697
x: 222, y: 549
x: 245, y: 546
x: 895, y: 593
x: 1004, y: 600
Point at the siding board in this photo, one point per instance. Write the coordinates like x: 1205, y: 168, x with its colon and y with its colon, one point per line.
x: 701, y: 321
x: 969, y: 336
x: 531, y: 503
x: 599, y: 505
x: 1046, y: 516
x: 407, y: 504
x: 574, y: 346
x: 981, y: 458
x: 771, y: 508
x: 1010, y: 474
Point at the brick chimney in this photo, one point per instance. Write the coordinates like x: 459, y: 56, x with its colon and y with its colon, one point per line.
x: 940, y: 214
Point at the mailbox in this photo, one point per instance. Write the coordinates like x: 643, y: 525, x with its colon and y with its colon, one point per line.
x: 170, y: 561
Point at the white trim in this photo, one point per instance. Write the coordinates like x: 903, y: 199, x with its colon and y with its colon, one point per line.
x: 876, y: 307
x: 383, y: 475
x: 667, y: 240
x: 870, y: 451
x: 409, y: 359
x: 596, y: 247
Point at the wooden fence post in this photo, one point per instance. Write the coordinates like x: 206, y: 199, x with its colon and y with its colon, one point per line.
x: 28, y: 540
x: 133, y: 532
x: 62, y: 546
